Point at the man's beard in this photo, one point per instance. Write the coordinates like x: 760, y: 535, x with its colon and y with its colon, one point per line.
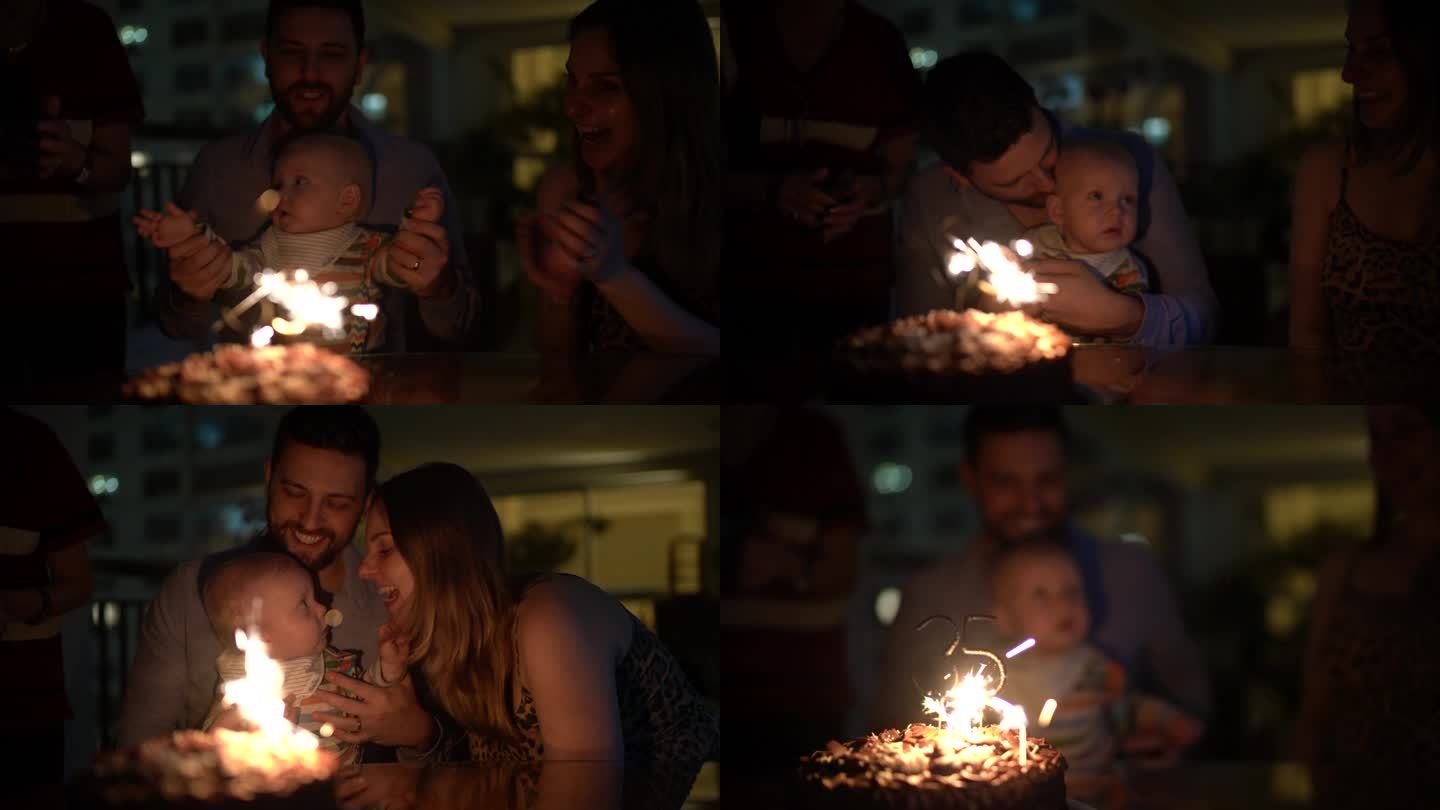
x: 328, y: 117
x: 1053, y: 532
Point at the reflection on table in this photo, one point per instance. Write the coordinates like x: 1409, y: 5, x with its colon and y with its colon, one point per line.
x: 528, y: 786
x: 1190, y: 786
x: 485, y: 378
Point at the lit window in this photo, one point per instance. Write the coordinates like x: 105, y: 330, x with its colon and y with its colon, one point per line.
x: 1156, y: 130
x: 374, y: 105
x: 887, y: 606
x: 923, y: 58
x: 139, y: 160
x: 890, y: 479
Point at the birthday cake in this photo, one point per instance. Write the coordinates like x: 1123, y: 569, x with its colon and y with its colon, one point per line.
x: 969, y: 354
x: 924, y: 767
x: 215, y: 770
x: 233, y: 374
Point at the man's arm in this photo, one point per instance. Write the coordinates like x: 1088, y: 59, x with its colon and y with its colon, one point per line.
x: 451, y: 318
x: 1183, y: 312
x: 154, y: 699
x: 920, y: 255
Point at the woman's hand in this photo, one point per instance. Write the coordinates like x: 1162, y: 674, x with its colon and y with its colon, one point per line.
x: 394, y: 653
x: 1085, y: 304
x: 547, y: 267
x: 393, y: 786
x: 386, y: 715
x: 590, y: 236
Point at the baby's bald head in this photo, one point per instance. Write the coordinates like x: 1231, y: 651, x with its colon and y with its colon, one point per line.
x: 339, y: 165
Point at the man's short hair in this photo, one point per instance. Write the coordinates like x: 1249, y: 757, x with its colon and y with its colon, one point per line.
x: 988, y: 420
x: 229, y: 592
x: 977, y: 107
x: 347, y: 429
x: 354, y: 9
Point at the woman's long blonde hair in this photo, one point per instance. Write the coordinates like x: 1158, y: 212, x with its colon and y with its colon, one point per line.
x: 461, y: 616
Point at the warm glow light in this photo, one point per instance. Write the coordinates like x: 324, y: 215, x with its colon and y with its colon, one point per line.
x: 276, y: 745
x: 290, y: 328
x: 1048, y: 712
x: 306, y: 303
x: 1023, y: 248
x: 1008, y: 281
x: 1021, y: 647
x: 262, y: 337
x: 366, y: 311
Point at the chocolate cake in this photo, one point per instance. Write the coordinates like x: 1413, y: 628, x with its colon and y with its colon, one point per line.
x: 924, y: 767
x: 965, y: 355
x: 216, y: 770
x: 237, y: 375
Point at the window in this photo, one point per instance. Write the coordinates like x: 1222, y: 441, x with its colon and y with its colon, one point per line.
x: 162, y: 528
x: 885, y: 442
x: 243, y: 27
x: 192, y: 78
x: 236, y: 475
x: 1042, y: 49
x: 915, y: 21
x: 975, y: 12
x: 102, y: 447
x: 159, y: 438
x: 162, y: 481
x: 189, y: 32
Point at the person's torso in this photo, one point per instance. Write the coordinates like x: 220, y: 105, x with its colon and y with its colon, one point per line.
x: 1086, y: 687
x: 662, y: 717
x: 830, y: 116
x: 1382, y: 290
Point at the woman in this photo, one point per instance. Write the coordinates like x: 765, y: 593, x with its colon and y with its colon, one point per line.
x: 550, y: 668
x: 638, y: 216
x: 1369, y: 723
x: 1365, y: 252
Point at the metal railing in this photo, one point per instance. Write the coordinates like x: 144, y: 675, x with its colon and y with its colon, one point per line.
x: 152, y: 185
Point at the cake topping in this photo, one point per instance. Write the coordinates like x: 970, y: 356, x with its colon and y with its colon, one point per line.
x: 970, y: 342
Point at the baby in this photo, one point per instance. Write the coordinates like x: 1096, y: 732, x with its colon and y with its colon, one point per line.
x: 275, y: 594
x: 1093, y: 213
x: 1038, y: 593
x: 321, y: 191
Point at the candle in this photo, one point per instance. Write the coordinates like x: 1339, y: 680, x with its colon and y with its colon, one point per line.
x: 1021, y: 647
x: 1048, y: 712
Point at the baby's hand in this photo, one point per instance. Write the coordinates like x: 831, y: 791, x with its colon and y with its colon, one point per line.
x: 165, y: 230
x: 429, y: 205
x: 394, y: 653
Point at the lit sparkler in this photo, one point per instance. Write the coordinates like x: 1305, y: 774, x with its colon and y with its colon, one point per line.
x: 962, y: 707
x: 305, y: 302
x: 1005, y: 278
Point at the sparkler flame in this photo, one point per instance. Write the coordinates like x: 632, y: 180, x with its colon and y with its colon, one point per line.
x: 306, y: 304
x: 260, y: 698
x: 1006, y: 277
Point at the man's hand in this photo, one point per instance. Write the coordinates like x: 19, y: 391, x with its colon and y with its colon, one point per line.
x: 802, y: 199
x: 388, y: 715
x: 420, y: 251
x: 60, y: 154
x: 1085, y: 304
x: 866, y: 192
x: 199, y: 266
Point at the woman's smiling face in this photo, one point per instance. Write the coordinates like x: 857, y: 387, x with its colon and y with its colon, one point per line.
x: 383, y: 563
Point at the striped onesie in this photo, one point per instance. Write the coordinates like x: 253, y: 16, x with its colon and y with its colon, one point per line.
x: 350, y: 256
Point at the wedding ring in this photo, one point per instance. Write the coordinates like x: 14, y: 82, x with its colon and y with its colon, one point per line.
x: 417, y: 264
x: 358, y: 724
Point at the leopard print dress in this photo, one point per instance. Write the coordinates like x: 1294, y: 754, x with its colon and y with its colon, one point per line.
x: 1383, y: 294
x: 1380, y: 660
x: 668, y: 728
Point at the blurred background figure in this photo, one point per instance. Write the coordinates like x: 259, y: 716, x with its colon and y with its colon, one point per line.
x: 795, y: 516
x: 46, y: 516
x: 68, y: 102
x: 1371, y: 687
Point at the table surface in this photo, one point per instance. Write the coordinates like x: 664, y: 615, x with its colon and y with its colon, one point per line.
x: 1130, y: 374
x: 1191, y: 786
x: 488, y: 377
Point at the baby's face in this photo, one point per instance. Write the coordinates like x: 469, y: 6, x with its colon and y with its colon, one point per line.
x: 311, y: 183
x: 292, y: 621
x: 1094, y: 202
x: 1042, y: 597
